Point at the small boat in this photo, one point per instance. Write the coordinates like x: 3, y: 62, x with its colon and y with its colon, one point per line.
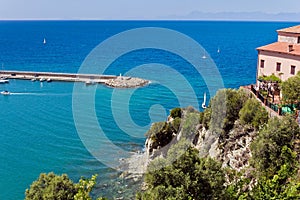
x: 204, y: 101
x: 42, y: 80
x: 5, y: 92
x: 3, y: 81
x: 34, y: 79
x: 90, y: 82
x: 49, y: 80
x: 44, y: 42
x: 218, y: 50
x: 204, y: 56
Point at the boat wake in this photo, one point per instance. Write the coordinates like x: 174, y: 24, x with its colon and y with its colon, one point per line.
x: 37, y: 94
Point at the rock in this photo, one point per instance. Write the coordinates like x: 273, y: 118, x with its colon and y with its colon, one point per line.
x: 126, y: 82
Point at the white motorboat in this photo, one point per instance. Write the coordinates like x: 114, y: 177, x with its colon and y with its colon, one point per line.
x: 5, y: 92
x: 2, y: 81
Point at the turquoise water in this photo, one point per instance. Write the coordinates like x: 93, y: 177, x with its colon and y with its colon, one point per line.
x: 37, y: 128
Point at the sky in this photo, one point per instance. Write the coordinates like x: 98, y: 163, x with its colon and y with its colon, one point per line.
x: 136, y: 9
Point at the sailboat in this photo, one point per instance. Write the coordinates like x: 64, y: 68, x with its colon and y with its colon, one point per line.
x: 204, y: 101
x: 44, y: 42
x: 218, y: 50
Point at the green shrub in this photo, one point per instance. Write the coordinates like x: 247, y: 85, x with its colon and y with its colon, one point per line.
x: 51, y: 186
x: 176, y: 124
x: 272, y: 78
x: 176, y: 112
x: 189, y: 177
x: 225, y: 108
x: 271, y: 148
x: 253, y: 113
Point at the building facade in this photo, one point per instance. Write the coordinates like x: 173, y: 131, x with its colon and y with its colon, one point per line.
x: 281, y: 58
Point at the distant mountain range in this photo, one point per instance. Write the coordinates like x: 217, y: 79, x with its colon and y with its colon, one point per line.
x: 237, y: 16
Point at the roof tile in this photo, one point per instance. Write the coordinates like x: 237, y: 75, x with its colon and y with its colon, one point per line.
x: 281, y: 47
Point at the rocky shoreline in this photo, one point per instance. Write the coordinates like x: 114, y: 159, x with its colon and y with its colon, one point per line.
x: 126, y: 82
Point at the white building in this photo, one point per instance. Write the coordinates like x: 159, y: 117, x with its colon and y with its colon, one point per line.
x: 281, y: 58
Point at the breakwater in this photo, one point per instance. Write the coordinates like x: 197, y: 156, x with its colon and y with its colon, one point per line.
x: 109, y: 80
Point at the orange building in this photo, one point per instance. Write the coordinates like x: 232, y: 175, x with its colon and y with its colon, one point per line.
x: 281, y: 58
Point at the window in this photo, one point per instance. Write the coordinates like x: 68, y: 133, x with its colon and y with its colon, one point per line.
x: 299, y: 40
x: 278, y: 66
x: 262, y: 63
x: 293, y: 69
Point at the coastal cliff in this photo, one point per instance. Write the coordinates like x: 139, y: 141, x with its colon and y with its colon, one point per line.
x: 231, y: 150
x: 222, y: 137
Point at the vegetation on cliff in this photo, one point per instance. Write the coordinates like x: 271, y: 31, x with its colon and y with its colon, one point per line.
x: 51, y: 187
x: 271, y: 170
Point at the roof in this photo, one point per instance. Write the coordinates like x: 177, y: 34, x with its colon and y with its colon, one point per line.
x: 281, y: 47
x: 293, y: 29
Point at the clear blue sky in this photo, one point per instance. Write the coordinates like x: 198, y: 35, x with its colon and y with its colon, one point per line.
x: 134, y: 9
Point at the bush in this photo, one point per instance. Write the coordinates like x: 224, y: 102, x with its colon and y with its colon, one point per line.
x: 189, y: 177
x: 51, y: 186
x: 176, y: 124
x: 176, y: 112
x: 205, y: 117
x: 253, y: 113
x: 272, y: 148
x: 272, y: 78
x: 225, y: 108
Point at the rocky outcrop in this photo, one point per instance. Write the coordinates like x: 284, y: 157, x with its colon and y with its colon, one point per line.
x: 126, y: 82
x: 233, y: 152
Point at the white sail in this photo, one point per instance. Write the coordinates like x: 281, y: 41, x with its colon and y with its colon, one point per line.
x: 44, y: 42
x: 204, y: 101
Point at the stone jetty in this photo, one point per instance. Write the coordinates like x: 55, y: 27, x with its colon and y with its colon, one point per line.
x: 88, y: 79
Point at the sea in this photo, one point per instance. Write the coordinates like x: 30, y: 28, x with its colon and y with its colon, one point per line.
x: 42, y: 126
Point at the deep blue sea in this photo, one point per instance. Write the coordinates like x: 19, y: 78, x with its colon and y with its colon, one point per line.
x: 38, y: 132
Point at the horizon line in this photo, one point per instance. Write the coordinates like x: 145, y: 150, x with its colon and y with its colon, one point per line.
x: 154, y: 19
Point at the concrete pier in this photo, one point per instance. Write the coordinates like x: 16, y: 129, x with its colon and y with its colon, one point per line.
x: 109, y: 80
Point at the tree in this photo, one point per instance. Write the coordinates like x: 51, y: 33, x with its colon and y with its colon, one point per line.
x: 53, y: 187
x: 189, y: 177
x: 225, y: 108
x: 253, y: 113
x: 274, y: 144
x: 280, y: 186
x: 291, y: 89
x: 84, y: 187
